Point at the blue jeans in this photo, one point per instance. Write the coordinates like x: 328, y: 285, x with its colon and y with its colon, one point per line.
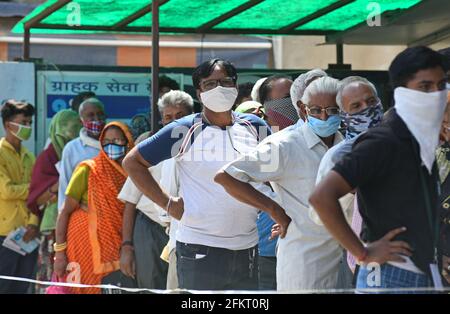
x: 391, y: 277
x: 15, y: 265
x: 201, y: 267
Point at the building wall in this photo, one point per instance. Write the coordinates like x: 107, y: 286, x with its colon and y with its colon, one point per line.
x: 3, y: 51
x: 306, y: 52
x: 168, y: 57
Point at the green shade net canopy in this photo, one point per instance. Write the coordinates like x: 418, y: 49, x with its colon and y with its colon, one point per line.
x: 270, y: 17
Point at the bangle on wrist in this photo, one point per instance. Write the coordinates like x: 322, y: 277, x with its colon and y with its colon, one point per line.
x: 59, y: 247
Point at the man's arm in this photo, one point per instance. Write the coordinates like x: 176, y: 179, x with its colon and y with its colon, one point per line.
x: 137, y: 168
x: 10, y: 190
x: 65, y: 175
x: 247, y: 194
x: 127, y: 258
x: 325, y: 200
x: 236, y: 178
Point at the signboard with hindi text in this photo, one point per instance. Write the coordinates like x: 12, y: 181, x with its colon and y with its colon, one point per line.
x: 124, y: 94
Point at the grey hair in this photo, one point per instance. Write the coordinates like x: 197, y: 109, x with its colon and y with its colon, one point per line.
x: 255, y: 90
x: 323, y: 85
x: 302, y: 81
x: 92, y: 101
x: 350, y: 80
x: 175, y: 98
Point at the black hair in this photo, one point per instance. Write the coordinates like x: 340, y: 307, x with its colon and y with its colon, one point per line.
x: 445, y: 52
x: 266, y: 86
x: 244, y: 91
x: 411, y: 60
x: 165, y: 81
x: 11, y: 107
x: 206, y: 68
x: 78, y: 99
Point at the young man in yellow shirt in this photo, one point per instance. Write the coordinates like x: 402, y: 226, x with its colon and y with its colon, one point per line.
x: 16, y: 164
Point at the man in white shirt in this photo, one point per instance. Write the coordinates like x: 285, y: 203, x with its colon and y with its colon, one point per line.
x: 143, y: 234
x: 217, y: 237
x: 289, y: 160
x: 298, y: 88
x: 86, y: 146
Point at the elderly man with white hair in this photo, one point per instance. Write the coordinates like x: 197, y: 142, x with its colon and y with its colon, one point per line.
x: 299, y: 86
x: 289, y: 160
x: 144, y: 235
x: 361, y: 109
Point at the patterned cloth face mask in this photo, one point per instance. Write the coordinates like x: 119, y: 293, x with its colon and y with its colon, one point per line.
x: 281, y: 111
x: 361, y: 121
x: 95, y: 127
x: 115, y: 151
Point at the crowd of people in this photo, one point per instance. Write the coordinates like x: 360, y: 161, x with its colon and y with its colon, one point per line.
x: 283, y: 185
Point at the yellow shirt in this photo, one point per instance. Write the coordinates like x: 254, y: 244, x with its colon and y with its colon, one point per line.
x: 15, y: 178
x: 78, y: 185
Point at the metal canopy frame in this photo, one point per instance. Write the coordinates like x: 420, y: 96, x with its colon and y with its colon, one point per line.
x: 207, y: 28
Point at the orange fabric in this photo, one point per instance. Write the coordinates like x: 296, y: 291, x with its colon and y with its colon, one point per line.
x: 94, y: 237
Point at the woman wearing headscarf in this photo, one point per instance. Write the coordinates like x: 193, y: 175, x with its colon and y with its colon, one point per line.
x: 42, y: 201
x: 88, y: 232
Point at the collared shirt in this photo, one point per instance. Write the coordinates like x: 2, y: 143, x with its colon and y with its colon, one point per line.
x: 15, y: 178
x: 211, y: 216
x: 289, y: 160
x: 80, y: 149
x: 384, y: 167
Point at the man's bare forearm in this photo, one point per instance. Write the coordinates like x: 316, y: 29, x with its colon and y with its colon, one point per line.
x: 246, y: 193
x: 137, y: 168
x: 325, y: 200
x: 129, y: 216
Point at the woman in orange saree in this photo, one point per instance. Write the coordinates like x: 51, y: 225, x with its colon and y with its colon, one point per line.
x: 88, y: 232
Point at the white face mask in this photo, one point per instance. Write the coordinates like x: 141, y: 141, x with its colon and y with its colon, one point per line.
x: 423, y: 114
x: 219, y: 99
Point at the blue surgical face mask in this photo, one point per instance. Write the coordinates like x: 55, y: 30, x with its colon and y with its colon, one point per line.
x: 324, y: 128
x: 115, y: 151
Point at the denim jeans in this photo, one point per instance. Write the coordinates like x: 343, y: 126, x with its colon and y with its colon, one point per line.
x: 15, y: 265
x: 149, y: 240
x: 391, y: 277
x: 201, y: 267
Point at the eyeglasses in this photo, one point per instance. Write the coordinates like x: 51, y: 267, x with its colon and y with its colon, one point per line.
x: 117, y: 141
x: 316, y: 111
x: 211, y: 84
